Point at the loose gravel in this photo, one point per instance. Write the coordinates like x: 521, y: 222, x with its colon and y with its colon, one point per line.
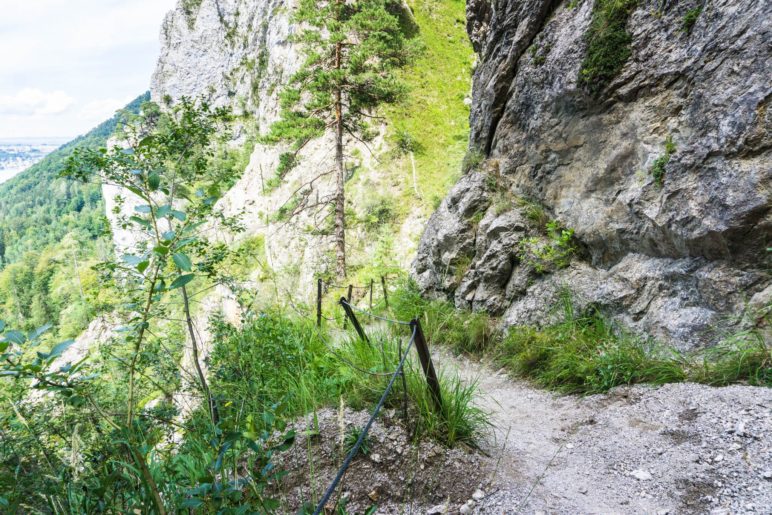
x: 679, y: 448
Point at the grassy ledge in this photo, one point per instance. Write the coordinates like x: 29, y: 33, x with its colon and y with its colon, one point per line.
x: 586, y: 353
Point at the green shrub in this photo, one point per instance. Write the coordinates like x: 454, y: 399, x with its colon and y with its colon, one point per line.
x: 550, y: 254
x: 585, y: 354
x: 272, y: 362
x: 690, y: 18
x: 657, y: 169
x: 608, y: 43
x: 463, y: 331
x: 742, y: 357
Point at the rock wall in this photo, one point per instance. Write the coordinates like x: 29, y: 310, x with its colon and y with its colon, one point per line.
x: 680, y: 257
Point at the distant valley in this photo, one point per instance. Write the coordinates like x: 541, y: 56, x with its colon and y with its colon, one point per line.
x: 16, y: 155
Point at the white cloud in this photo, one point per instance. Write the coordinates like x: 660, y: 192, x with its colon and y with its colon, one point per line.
x: 66, y: 55
x: 34, y: 102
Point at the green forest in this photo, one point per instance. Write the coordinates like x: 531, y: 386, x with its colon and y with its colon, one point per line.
x: 52, y: 230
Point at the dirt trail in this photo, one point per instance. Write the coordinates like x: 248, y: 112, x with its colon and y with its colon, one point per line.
x: 680, y: 448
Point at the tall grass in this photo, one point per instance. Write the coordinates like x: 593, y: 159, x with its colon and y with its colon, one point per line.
x: 460, y: 419
x: 282, y: 365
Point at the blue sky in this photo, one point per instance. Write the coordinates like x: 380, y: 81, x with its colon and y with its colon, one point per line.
x: 67, y: 65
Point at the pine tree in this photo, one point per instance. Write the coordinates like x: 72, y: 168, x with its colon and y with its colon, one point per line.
x: 352, y: 50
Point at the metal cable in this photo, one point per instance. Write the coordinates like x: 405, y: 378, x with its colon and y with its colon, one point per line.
x: 353, y: 452
x: 373, y: 315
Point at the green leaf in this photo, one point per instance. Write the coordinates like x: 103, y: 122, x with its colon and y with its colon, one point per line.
x: 182, y: 281
x: 2, y: 326
x: 141, y: 267
x: 15, y: 337
x: 141, y: 221
x: 164, y: 210
x: 179, y: 215
x: 60, y: 348
x: 192, y: 503
x: 131, y: 260
x: 37, y: 333
x: 183, y: 262
x: 154, y: 181
x: 143, y: 209
x: 161, y: 250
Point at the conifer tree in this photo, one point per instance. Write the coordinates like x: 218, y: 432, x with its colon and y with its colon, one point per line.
x: 352, y: 49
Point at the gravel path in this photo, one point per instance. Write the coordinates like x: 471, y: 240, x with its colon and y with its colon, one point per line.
x: 680, y: 448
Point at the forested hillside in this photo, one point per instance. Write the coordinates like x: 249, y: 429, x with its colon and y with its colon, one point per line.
x: 38, y: 208
x: 51, y: 231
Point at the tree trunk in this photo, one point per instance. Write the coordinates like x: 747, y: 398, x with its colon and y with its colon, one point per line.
x: 340, y: 176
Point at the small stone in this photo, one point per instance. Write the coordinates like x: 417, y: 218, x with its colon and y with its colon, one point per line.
x: 478, y: 495
x: 569, y: 446
x: 583, y: 490
x: 767, y: 474
x: 739, y: 429
x: 440, y: 509
x: 641, y: 475
x: 376, y: 457
x: 373, y: 495
x: 467, y: 508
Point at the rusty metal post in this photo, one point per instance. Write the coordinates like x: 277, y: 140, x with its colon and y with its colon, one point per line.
x: 372, y: 281
x: 426, y: 363
x: 385, y: 293
x: 354, y: 321
x: 319, y: 302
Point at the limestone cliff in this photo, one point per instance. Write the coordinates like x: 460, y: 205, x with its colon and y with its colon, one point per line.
x: 662, y: 172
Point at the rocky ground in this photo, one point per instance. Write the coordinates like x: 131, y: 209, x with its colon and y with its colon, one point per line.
x: 680, y: 448
x: 394, y: 475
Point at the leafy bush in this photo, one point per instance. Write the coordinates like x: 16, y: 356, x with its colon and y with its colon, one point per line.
x: 585, y: 354
x: 657, y: 169
x: 550, y: 254
x: 608, y: 43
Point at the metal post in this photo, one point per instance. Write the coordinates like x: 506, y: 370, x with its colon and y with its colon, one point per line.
x: 354, y: 321
x: 348, y: 298
x: 385, y: 293
x: 426, y: 363
x: 319, y: 302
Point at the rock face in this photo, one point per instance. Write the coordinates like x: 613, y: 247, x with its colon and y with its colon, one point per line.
x: 670, y: 241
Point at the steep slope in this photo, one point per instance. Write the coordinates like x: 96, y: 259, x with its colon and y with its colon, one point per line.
x: 640, y: 126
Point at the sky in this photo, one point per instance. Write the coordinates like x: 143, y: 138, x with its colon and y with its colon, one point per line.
x: 68, y: 65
